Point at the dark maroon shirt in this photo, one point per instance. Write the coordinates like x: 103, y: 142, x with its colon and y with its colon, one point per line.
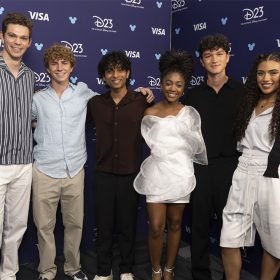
x: 118, y: 136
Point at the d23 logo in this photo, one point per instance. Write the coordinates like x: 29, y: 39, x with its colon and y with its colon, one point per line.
x: 254, y: 13
x: 42, y: 78
x: 106, y: 22
x: 196, y: 81
x: 137, y: 2
x: 176, y: 4
x: 154, y: 82
x: 76, y: 48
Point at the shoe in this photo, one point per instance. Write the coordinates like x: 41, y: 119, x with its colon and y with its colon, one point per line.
x: 157, y: 272
x: 109, y: 277
x: 168, y: 270
x: 79, y: 276
x: 126, y: 276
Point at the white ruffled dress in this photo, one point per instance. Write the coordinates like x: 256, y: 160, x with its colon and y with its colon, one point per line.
x: 167, y: 175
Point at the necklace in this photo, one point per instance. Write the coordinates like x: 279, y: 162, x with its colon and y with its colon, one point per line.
x: 267, y: 103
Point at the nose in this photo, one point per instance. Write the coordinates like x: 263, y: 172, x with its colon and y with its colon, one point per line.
x: 59, y: 66
x: 173, y: 87
x: 214, y: 58
x: 17, y: 40
x: 115, y: 73
x: 266, y: 76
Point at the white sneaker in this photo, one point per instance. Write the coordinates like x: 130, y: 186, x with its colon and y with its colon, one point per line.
x: 126, y: 276
x: 109, y: 277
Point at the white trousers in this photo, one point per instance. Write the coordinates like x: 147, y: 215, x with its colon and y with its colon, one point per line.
x: 15, y: 186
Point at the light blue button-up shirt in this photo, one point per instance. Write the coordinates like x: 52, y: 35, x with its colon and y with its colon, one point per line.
x: 60, y: 131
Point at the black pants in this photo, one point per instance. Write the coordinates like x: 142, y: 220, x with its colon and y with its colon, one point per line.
x: 209, y: 196
x: 116, y: 210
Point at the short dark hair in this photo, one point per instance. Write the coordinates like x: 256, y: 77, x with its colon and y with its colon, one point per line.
x: 114, y: 60
x: 58, y: 51
x: 212, y: 42
x: 17, y: 18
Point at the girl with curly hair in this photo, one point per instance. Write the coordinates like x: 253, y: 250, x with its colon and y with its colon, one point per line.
x: 254, y: 199
x: 172, y: 132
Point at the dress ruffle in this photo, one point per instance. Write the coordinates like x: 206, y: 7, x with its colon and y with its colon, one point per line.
x: 175, y: 142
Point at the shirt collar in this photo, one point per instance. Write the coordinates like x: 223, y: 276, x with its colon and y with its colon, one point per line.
x: 48, y: 87
x: 3, y: 64
x: 130, y: 96
x: 229, y: 83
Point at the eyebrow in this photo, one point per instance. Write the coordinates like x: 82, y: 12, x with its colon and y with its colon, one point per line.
x: 14, y: 34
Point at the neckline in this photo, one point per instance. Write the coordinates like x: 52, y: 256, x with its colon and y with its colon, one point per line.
x: 263, y: 112
x: 168, y: 116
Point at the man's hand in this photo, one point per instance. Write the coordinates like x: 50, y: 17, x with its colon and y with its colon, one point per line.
x: 146, y: 91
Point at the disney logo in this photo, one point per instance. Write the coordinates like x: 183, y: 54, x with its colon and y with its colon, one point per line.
x: 106, y: 23
x: 252, y: 14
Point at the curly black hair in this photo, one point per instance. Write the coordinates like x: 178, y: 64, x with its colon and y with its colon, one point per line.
x: 112, y: 60
x: 212, y: 42
x: 251, y: 98
x: 176, y: 61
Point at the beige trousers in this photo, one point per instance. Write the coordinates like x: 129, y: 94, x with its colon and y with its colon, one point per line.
x: 15, y: 186
x: 46, y: 193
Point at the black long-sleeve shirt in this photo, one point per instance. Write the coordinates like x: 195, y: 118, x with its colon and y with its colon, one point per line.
x: 218, y: 112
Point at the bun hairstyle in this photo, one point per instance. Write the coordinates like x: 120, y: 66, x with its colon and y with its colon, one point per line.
x: 176, y: 61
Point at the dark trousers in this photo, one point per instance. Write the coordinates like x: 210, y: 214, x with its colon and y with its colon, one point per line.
x: 116, y: 211
x: 209, y: 197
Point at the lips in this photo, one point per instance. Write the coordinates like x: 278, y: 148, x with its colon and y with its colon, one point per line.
x: 16, y: 49
x: 172, y: 95
x: 267, y: 86
x: 116, y: 81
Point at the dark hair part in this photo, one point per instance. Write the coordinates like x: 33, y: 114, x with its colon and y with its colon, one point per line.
x: 113, y: 60
x: 176, y: 61
x: 58, y: 51
x: 213, y: 42
x: 17, y: 18
x: 251, y: 98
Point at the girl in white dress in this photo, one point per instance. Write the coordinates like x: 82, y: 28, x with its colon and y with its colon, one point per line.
x: 172, y: 132
x: 254, y: 198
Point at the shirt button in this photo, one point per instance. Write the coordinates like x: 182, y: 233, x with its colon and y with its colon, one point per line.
x: 116, y: 155
x: 116, y: 139
x: 116, y: 123
x: 116, y: 108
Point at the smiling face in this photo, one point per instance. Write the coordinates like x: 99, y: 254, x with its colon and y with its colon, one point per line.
x: 172, y: 86
x: 16, y: 41
x: 116, y: 77
x: 215, y: 61
x: 268, y: 76
x: 60, y: 70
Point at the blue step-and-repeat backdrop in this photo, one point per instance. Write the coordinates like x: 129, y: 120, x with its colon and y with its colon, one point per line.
x: 144, y: 29
x: 252, y: 29
x: 92, y: 28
